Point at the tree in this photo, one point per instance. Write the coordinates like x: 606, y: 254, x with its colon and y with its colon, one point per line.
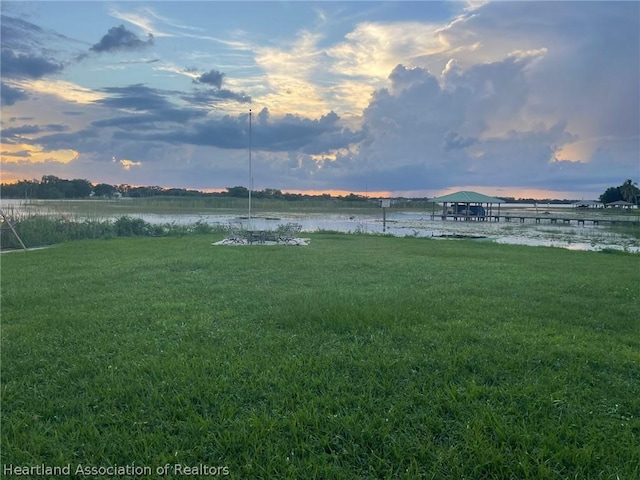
x: 272, y: 193
x: 79, y: 188
x: 629, y: 191
x: 611, y: 194
x: 104, y: 190
x: 241, y: 192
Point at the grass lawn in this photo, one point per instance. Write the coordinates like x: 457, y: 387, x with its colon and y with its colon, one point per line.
x: 355, y: 357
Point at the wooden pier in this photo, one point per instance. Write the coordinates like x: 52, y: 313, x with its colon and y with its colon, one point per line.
x: 536, y: 219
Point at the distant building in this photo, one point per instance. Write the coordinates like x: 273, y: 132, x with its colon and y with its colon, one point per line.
x: 621, y: 204
x: 588, y: 204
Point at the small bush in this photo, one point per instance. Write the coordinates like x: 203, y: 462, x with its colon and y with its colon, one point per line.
x: 132, y: 227
x: 201, y: 227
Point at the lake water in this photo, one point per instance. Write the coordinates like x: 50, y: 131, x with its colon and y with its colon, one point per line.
x: 421, y: 224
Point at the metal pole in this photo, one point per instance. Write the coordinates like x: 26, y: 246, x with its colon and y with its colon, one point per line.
x: 384, y: 219
x: 8, y: 222
x: 250, y: 176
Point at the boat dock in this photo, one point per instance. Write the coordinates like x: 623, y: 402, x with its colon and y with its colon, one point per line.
x: 536, y: 219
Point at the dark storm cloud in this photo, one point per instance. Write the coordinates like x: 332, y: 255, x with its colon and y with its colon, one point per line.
x: 25, y: 65
x: 55, y: 127
x: 151, y: 120
x: 29, y: 51
x: 135, y: 97
x: 455, y: 141
x: 206, y: 97
x: 212, y: 77
x: 10, y: 95
x: 21, y: 153
x: 88, y: 140
x: 20, y: 35
x: 13, y: 134
x: 290, y: 133
x: 227, y: 132
x: 294, y: 133
x: 139, y: 62
x: 225, y: 94
x: 23, y: 130
x: 15, y: 32
x: 179, y: 127
x: 121, y: 39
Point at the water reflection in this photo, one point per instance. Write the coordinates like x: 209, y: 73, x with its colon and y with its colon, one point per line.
x: 418, y: 224
x: 403, y: 224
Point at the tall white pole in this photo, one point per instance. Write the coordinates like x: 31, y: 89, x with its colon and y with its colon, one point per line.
x: 250, y: 176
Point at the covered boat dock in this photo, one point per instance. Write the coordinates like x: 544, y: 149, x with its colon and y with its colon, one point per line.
x: 467, y: 205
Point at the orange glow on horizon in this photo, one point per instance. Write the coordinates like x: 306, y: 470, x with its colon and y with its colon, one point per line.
x: 514, y: 192
x: 333, y: 193
x: 24, y: 153
x: 340, y: 193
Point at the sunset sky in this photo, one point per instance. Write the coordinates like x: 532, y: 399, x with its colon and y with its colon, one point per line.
x: 409, y: 98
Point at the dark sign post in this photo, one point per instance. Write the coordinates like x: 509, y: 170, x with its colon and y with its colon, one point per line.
x: 384, y: 203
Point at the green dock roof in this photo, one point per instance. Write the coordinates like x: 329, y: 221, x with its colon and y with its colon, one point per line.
x: 466, y: 197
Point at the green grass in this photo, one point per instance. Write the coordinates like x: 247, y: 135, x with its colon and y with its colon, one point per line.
x: 355, y: 357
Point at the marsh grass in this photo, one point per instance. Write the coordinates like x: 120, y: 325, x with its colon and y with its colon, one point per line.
x: 631, y: 230
x: 41, y: 230
x: 218, y: 205
x: 356, y: 357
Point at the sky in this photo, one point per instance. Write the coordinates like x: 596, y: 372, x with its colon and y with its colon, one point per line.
x: 410, y: 98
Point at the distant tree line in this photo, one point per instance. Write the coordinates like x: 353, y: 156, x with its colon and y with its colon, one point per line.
x: 52, y: 187
x: 627, y: 192
x: 551, y: 201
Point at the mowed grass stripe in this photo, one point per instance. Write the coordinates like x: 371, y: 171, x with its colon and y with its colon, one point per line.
x: 355, y: 357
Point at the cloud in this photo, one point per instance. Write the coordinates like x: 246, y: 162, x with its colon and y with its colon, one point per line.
x: 167, y: 118
x: 19, y: 153
x: 87, y: 140
x: 286, y: 134
x: 135, y: 97
x: 503, y: 94
x: 12, y: 132
x: 10, y: 95
x: 22, y: 154
x: 17, y: 33
x: 212, y: 77
x: 22, y: 36
x: 127, y: 164
x: 373, y: 49
x: 425, y: 132
x: 453, y: 141
x: 206, y: 97
x: 144, y: 19
x: 29, y: 51
x: 121, y: 39
x: 25, y: 65
x: 601, y: 66
x: 60, y: 89
x: 290, y: 82
x: 21, y: 133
